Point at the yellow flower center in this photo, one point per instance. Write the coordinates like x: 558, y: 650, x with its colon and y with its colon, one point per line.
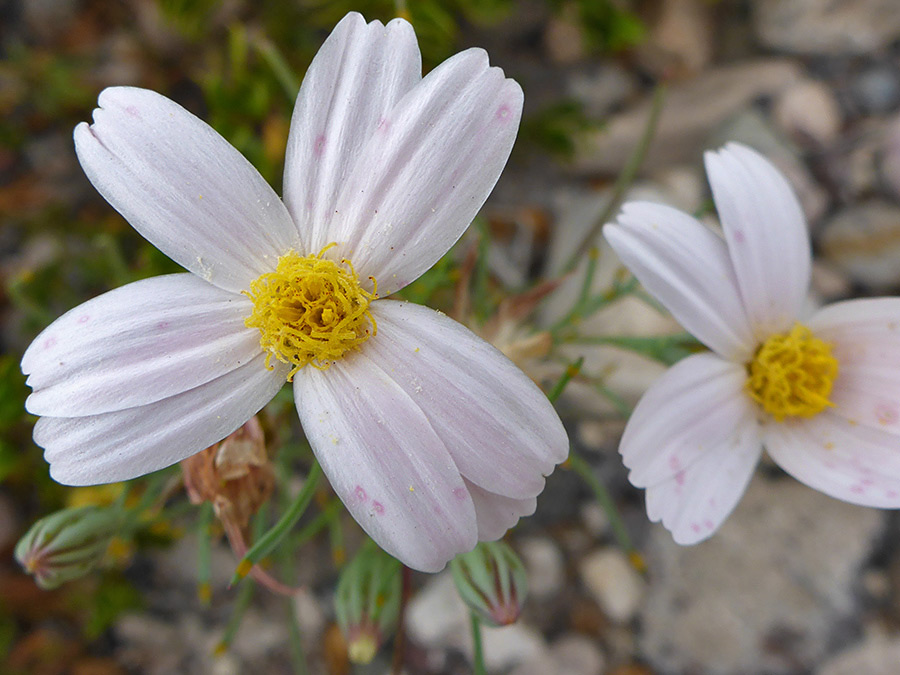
x: 791, y: 374
x: 310, y: 310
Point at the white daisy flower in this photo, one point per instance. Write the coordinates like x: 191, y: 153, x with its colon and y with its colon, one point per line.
x: 821, y: 394
x: 431, y: 437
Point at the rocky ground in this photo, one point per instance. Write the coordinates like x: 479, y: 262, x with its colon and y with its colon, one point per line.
x: 795, y: 582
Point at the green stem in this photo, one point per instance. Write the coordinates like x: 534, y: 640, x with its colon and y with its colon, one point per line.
x: 667, y: 349
x: 626, y: 178
x: 571, y: 371
x: 282, y: 71
x: 477, y: 646
x: 267, y: 543
x: 583, y: 469
x: 245, y: 595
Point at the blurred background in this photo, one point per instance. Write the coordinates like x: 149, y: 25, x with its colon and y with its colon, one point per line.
x: 794, y: 583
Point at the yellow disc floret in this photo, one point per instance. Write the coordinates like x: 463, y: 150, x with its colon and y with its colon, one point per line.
x: 792, y: 373
x: 310, y: 311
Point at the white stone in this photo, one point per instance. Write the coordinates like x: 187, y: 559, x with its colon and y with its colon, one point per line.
x: 827, y: 27
x: 577, y: 655
x: 785, y: 563
x: 863, y: 241
x: 544, y: 565
x: 507, y: 647
x: 436, y: 616
x: 809, y: 112
x: 613, y: 583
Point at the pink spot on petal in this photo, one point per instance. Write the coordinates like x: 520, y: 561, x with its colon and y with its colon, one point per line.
x: 133, y: 111
x: 739, y: 237
x: 867, y: 481
x: 674, y: 463
x: 503, y: 112
x: 460, y: 493
x: 162, y: 325
x: 857, y: 489
x: 84, y: 318
x: 708, y: 524
x: 384, y: 124
x: 360, y: 494
x: 891, y: 494
x: 49, y: 342
x: 679, y: 478
x: 379, y: 508
x: 695, y: 527
x: 319, y: 146
x: 886, y: 413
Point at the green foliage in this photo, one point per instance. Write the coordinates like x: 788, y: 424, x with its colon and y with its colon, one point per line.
x: 556, y: 128
x: 608, y: 25
x: 114, y: 596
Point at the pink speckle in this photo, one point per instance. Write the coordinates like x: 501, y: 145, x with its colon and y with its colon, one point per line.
x: 378, y: 507
x: 84, y: 318
x: 460, y: 493
x: 503, y: 112
x: 867, y: 481
x: 360, y: 494
x: 712, y: 502
x: 891, y: 494
x: 886, y: 413
x: 49, y: 342
x: 695, y: 527
x: 679, y: 479
x: 674, y: 463
x: 739, y: 237
x: 857, y: 489
x: 708, y: 524
x: 162, y: 325
x: 384, y: 124
x: 133, y: 111
x: 319, y: 146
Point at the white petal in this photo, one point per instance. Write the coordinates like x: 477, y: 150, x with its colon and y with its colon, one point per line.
x: 496, y: 513
x: 357, y: 76
x: 686, y: 267
x: 128, y: 443
x: 693, y: 442
x: 138, y: 344
x: 184, y: 187
x: 385, y: 462
x: 865, y: 340
x: 766, y: 233
x: 850, y: 462
x: 501, y: 430
x: 424, y: 174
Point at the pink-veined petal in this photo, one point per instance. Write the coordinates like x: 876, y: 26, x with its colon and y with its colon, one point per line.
x: 385, y: 462
x: 685, y: 265
x: 865, y: 340
x: 693, y: 442
x: 766, y: 233
x: 184, y: 187
x: 357, y: 76
x: 495, y: 513
x: 128, y: 443
x: 850, y: 462
x: 427, y: 170
x: 138, y: 344
x: 500, y: 429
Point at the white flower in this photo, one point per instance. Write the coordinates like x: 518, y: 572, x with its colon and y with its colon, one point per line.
x: 430, y: 436
x: 821, y: 394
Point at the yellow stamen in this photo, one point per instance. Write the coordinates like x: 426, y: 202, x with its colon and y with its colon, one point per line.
x: 791, y: 374
x: 310, y: 311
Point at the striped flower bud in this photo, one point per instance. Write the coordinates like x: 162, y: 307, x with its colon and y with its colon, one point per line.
x: 491, y: 580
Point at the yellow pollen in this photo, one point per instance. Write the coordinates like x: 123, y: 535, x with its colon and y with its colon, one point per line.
x: 791, y: 374
x: 310, y: 311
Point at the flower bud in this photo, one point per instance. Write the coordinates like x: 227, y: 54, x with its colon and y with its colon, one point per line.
x: 67, y: 544
x: 367, y: 602
x: 491, y: 580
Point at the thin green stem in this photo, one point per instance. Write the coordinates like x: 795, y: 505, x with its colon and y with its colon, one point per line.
x: 571, y: 371
x: 280, y: 68
x: 626, y: 178
x: 477, y: 646
x: 583, y: 469
x: 267, y: 543
x: 245, y: 595
x: 667, y: 349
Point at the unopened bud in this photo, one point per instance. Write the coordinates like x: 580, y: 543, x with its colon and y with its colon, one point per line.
x: 67, y: 544
x: 491, y: 580
x: 367, y: 602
